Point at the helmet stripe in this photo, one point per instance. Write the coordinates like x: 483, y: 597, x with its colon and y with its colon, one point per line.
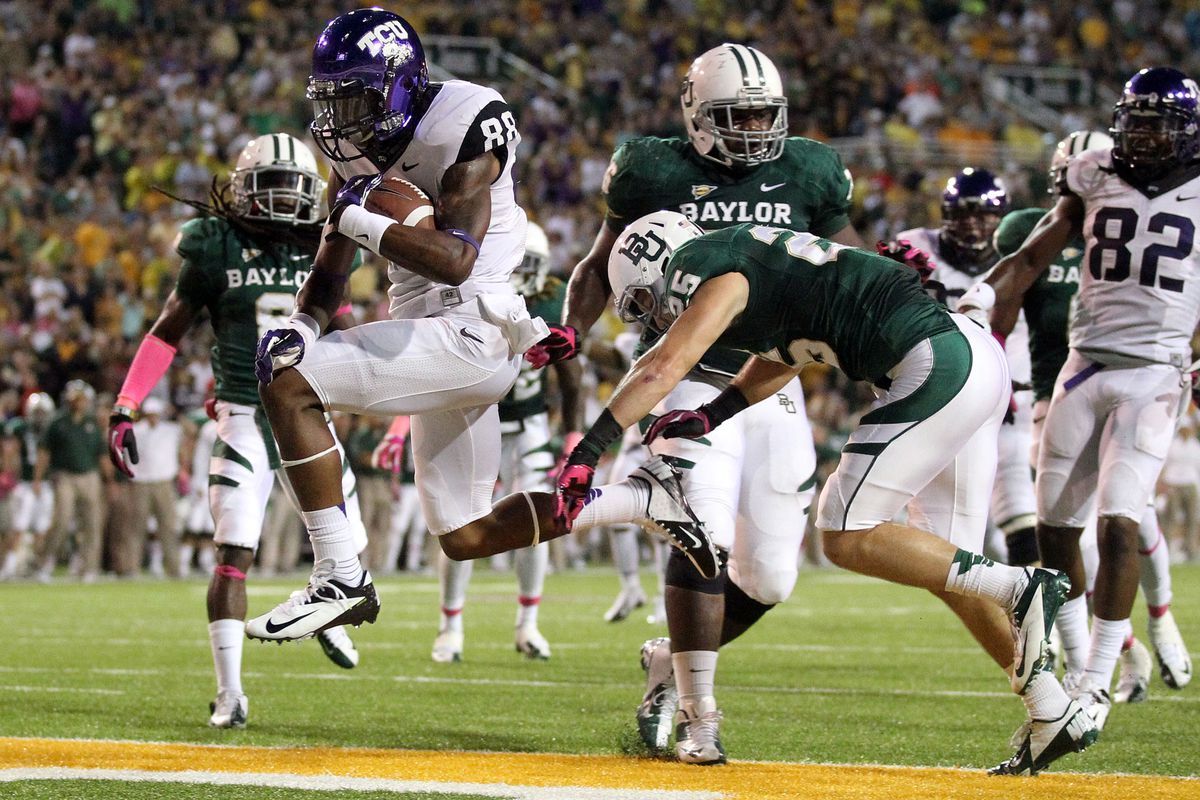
x: 736, y: 49
x: 291, y: 149
x: 762, y: 74
x: 275, y: 145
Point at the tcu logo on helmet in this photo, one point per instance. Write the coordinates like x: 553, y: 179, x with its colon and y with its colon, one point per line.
x: 384, y: 34
x: 637, y: 247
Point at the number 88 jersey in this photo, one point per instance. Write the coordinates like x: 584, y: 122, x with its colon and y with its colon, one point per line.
x: 1139, y: 295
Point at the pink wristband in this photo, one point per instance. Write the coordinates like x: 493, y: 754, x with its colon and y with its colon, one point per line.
x: 151, y: 362
x: 346, y: 308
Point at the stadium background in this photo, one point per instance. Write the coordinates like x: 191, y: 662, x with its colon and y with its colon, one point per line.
x: 100, y: 102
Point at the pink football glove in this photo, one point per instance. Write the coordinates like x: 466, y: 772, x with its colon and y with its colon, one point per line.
x: 560, y: 345
x: 574, y: 484
x: 901, y: 250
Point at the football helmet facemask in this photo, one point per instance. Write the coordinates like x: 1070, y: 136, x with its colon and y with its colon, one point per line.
x: 369, y: 86
x: 529, y: 278
x: 734, y: 108
x: 636, y: 265
x: 276, y: 180
x: 1156, y: 126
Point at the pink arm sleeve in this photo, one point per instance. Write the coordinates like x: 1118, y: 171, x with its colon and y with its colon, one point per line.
x: 149, y: 365
x: 400, y: 426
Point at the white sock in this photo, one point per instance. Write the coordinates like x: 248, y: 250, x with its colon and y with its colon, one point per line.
x: 185, y: 558
x: 1044, y: 697
x: 453, y: 579
x: 974, y: 575
x: 1107, y: 637
x: 1072, y: 624
x: 527, y: 610
x: 695, y: 674
x: 329, y: 530
x: 1156, y: 561
x: 624, y: 543
x: 616, y: 502
x: 531, y: 564
x: 451, y: 620
x: 225, y: 637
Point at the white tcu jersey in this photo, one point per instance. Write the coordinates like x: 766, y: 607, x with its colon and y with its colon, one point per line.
x: 956, y: 281
x: 1139, y: 290
x: 463, y: 121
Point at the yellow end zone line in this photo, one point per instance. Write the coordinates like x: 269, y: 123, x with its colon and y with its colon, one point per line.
x: 737, y: 781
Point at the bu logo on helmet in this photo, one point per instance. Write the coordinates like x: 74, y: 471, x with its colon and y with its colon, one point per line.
x: 386, y: 33
x: 637, y: 247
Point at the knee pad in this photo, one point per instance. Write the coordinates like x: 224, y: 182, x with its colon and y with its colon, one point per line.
x: 1022, y: 547
x: 741, y: 607
x: 682, y: 574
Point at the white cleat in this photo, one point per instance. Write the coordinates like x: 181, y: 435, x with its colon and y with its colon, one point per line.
x: 629, y: 599
x: 229, y: 710
x: 336, y: 644
x: 657, y: 709
x: 322, y: 604
x: 448, y: 647
x: 1040, y: 742
x: 1094, y: 699
x: 1174, y: 663
x: 698, y: 733
x: 1134, y: 684
x: 531, y: 643
x: 669, y: 515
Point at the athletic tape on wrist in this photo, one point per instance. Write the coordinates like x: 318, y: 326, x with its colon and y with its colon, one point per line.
x: 363, y: 227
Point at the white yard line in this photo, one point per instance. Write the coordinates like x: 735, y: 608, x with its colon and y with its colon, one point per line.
x: 335, y: 783
x: 56, y: 689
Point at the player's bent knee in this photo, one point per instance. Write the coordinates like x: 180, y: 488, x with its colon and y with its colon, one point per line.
x: 839, y: 546
x: 240, y: 558
x: 682, y: 574
x: 460, y: 545
x: 770, y: 586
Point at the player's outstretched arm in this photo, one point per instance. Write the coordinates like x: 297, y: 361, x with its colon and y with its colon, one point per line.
x: 588, y: 290
x: 321, y: 295
x: 1014, y: 274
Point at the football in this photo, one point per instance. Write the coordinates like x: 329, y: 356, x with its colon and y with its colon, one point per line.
x: 401, y: 200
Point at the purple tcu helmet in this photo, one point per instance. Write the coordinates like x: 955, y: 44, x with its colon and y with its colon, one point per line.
x: 1156, y: 125
x: 972, y: 205
x: 368, y: 86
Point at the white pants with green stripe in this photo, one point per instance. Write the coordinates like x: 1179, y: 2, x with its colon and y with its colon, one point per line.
x: 243, y: 468
x: 751, y: 481
x: 928, y: 443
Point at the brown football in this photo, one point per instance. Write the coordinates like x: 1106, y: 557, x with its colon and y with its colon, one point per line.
x: 402, y: 201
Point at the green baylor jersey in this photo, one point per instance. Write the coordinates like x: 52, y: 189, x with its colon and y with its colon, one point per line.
x: 806, y: 189
x: 1047, y: 304
x: 247, y: 289
x: 27, y: 438
x: 811, y: 300
x: 528, y: 394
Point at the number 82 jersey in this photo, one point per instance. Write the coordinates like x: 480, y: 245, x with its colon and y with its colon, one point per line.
x: 1139, y: 295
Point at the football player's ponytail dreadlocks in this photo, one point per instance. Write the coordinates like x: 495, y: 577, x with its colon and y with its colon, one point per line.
x: 306, y: 237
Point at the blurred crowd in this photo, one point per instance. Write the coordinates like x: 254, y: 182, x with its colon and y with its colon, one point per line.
x: 103, y: 103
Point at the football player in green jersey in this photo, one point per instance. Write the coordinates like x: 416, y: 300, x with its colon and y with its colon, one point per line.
x: 527, y: 459
x: 31, y: 509
x: 242, y: 262
x: 735, y: 165
x: 1047, y: 305
x: 928, y: 443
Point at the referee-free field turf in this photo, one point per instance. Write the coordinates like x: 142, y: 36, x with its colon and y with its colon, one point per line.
x: 850, y: 671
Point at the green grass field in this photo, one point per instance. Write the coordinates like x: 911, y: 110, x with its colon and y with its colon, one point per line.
x: 849, y: 671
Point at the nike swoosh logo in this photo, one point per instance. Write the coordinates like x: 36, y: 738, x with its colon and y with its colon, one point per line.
x: 467, y: 334
x: 1181, y: 199
x: 765, y: 187
x: 273, y: 628
x: 407, y: 167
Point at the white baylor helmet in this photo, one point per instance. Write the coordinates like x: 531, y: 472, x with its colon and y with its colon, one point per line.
x: 276, y: 180
x: 39, y: 406
x: 1071, y: 146
x: 529, y: 278
x: 637, y: 261
x: 724, y: 85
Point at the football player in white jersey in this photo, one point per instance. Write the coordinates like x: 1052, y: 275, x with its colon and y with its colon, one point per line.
x: 1113, y: 411
x: 961, y: 249
x: 457, y: 329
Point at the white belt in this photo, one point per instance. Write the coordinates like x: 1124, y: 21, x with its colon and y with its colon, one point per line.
x: 435, y: 301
